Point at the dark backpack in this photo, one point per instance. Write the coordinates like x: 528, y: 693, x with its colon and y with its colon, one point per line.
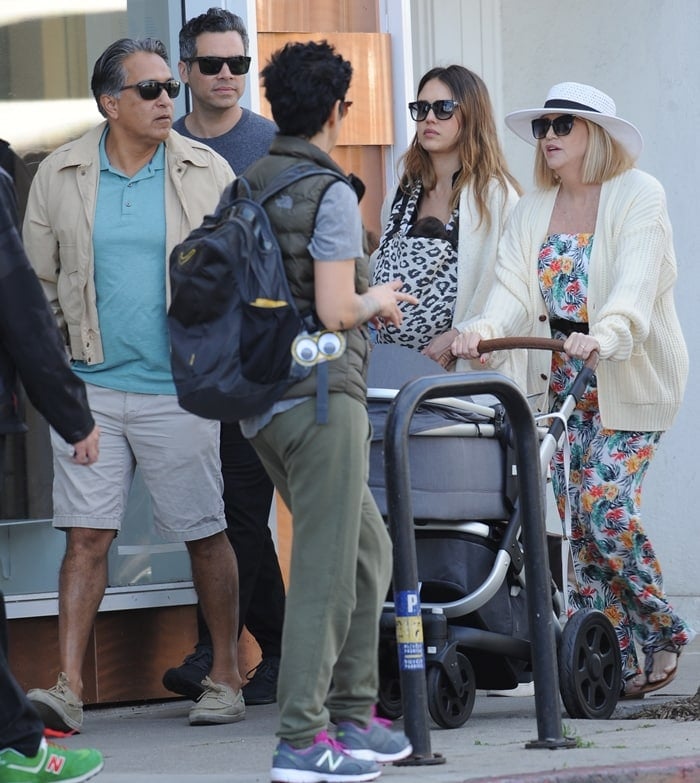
x: 232, y: 318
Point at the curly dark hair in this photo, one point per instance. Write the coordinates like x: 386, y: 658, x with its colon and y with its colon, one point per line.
x: 302, y: 83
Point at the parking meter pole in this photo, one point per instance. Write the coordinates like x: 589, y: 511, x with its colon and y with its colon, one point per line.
x: 409, y: 626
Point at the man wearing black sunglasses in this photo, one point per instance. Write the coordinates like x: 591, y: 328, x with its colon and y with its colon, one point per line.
x: 103, y: 215
x: 213, y: 63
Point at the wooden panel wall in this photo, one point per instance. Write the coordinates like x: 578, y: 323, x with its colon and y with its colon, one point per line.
x: 296, y: 16
x: 128, y: 652
x: 352, y: 26
x: 369, y: 121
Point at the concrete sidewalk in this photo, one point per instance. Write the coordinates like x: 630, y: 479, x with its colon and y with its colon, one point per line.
x: 154, y: 742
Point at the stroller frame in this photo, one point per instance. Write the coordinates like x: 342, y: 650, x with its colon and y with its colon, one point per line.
x: 416, y: 624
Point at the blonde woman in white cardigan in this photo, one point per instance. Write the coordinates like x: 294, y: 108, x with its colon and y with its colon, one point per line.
x: 443, y: 224
x: 588, y: 258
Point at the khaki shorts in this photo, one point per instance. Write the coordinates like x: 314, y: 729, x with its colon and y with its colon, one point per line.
x: 177, y: 454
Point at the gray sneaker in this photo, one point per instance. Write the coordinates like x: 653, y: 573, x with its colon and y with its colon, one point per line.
x: 58, y: 707
x: 324, y: 762
x: 378, y: 742
x: 218, y: 704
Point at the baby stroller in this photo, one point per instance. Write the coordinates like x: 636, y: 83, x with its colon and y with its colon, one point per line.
x: 473, y: 592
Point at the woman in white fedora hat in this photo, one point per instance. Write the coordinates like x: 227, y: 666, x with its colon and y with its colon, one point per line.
x: 588, y: 257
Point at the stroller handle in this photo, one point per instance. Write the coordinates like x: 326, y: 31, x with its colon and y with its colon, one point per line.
x: 537, y: 343
x: 580, y: 383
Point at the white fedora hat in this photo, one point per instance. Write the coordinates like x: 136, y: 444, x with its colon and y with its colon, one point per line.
x: 581, y: 100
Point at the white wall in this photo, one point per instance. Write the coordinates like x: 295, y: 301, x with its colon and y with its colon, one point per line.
x: 644, y: 53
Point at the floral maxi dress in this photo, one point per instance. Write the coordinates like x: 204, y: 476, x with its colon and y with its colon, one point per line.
x: 616, y: 570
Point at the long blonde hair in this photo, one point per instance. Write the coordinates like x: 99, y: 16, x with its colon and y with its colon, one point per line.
x: 480, y: 154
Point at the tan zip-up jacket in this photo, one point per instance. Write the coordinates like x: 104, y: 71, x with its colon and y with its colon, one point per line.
x: 58, y: 224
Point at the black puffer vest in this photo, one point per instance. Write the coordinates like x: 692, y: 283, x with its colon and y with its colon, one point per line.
x: 293, y: 215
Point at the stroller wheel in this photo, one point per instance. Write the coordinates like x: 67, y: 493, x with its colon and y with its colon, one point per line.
x: 389, y: 698
x: 450, y: 708
x: 389, y: 702
x: 590, y: 669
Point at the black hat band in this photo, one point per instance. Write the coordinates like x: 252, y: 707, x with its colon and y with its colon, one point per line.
x: 559, y: 103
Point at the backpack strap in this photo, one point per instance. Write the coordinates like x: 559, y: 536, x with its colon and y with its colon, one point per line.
x: 322, y: 393
x: 293, y: 174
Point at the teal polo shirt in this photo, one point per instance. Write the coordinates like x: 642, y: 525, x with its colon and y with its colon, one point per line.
x: 130, y: 268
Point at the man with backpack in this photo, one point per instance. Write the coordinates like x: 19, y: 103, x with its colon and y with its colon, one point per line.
x: 214, y: 63
x: 341, y: 554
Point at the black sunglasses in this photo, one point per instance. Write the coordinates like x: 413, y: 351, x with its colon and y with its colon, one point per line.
x: 561, y: 126
x: 210, y: 66
x: 442, y: 110
x: 150, y: 89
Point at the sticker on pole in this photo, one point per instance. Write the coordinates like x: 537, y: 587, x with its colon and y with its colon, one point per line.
x: 409, y: 630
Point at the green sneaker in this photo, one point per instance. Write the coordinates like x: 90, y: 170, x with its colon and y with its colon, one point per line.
x: 51, y: 763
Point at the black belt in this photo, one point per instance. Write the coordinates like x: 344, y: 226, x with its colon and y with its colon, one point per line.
x: 567, y: 327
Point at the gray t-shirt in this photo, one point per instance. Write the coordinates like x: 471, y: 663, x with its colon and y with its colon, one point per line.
x: 246, y: 142
x: 338, y: 229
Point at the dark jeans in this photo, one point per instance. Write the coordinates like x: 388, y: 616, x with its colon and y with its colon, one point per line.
x: 247, y: 499
x: 20, y: 727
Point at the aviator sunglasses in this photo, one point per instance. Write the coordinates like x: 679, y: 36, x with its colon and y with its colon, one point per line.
x: 150, y: 89
x: 442, y: 110
x: 210, y: 66
x: 561, y: 126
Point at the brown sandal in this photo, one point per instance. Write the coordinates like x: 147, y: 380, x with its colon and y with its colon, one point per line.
x: 669, y: 647
x: 636, y: 690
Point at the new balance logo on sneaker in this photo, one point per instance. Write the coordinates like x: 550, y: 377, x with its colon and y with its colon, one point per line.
x: 323, y: 762
x: 330, y: 761
x: 55, y: 764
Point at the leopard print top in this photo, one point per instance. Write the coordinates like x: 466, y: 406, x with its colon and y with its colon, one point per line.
x: 424, y: 255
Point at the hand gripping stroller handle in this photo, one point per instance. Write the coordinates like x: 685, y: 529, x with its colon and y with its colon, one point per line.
x: 577, y: 388
x: 537, y: 343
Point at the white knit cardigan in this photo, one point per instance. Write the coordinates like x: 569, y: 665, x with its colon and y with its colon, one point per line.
x: 644, y: 361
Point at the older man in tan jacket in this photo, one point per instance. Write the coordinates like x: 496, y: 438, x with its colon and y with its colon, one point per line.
x: 104, y: 213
